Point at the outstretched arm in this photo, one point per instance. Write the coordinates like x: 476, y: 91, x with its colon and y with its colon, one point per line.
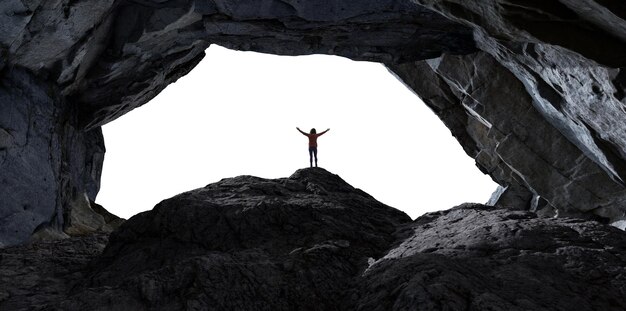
x: 324, y: 131
x: 299, y: 130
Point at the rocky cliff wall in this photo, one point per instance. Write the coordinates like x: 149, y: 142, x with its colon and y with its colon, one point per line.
x: 533, y: 90
x: 542, y: 104
x: 48, y: 167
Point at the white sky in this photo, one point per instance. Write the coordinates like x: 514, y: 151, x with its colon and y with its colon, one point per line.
x: 236, y: 114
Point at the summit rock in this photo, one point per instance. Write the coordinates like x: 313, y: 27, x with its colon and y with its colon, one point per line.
x: 314, y: 242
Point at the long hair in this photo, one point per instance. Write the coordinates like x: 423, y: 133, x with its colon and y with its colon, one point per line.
x: 313, y: 131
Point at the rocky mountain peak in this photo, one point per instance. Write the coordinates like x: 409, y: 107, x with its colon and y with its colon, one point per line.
x: 314, y: 242
x: 311, y: 207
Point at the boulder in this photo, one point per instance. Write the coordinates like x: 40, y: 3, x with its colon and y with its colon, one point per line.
x: 476, y: 257
x: 313, y: 242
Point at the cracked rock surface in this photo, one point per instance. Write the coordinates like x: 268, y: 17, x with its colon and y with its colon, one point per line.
x: 476, y: 257
x: 313, y: 242
x: 47, y: 165
x: 541, y: 106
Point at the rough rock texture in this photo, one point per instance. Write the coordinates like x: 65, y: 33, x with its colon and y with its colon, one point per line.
x: 477, y: 257
x: 47, y: 165
x: 113, y: 56
x: 534, y: 90
x: 541, y: 108
x: 105, y: 58
x: 244, y: 243
x: 499, y: 125
x: 35, y: 275
x: 88, y: 217
x: 313, y: 242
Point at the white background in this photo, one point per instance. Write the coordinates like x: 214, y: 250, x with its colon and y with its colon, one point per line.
x: 236, y: 114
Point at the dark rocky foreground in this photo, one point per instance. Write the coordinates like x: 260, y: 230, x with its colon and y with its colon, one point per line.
x: 313, y: 242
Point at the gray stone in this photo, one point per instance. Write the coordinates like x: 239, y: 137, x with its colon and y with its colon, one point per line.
x: 35, y: 274
x: 314, y: 242
x: 87, y: 217
x: 6, y: 139
x: 512, y: 197
x: 491, y: 113
x: 83, y: 219
x: 124, y: 43
x: 28, y: 184
x: 47, y: 234
x: 44, y: 162
x: 475, y: 257
x: 570, y: 80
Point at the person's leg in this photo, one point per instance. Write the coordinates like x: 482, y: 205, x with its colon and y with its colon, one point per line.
x: 315, y: 153
x: 311, y: 156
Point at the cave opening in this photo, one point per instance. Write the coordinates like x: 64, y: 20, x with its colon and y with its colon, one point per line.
x: 236, y: 113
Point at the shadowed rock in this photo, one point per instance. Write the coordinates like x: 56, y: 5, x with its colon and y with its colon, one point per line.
x: 475, y: 257
x: 38, y: 275
x: 313, y: 242
x: 540, y: 106
x: 246, y: 243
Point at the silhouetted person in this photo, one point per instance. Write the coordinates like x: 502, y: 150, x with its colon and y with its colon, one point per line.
x: 312, y: 143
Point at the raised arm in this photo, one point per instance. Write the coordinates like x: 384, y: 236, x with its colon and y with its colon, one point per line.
x: 299, y: 130
x: 323, y: 132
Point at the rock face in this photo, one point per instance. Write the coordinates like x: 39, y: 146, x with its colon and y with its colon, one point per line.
x: 313, y: 242
x: 34, y: 276
x: 533, y: 90
x: 47, y: 165
x: 540, y: 107
x: 244, y: 243
x: 105, y: 58
x: 476, y: 257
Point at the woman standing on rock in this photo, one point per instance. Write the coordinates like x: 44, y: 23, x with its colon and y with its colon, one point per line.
x: 312, y: 143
